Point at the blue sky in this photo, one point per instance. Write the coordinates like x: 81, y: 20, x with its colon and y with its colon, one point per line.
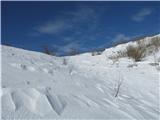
x: 81, y: 25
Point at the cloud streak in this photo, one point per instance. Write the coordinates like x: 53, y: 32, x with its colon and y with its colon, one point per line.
x: 120, y: 37
x: 74, y: 28
x: 53, y: 27
x: 80, y: 20
x: 141, y: 15
x: 67, y: 47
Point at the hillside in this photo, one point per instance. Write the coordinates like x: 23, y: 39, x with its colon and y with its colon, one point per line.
x: 105, y: 86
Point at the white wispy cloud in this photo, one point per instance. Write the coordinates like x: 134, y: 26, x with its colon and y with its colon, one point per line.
x: 67, y: 47
x: 52, y: 27
x: 141, y: 15
x: 70, y: 20
x: 82, y: 14
x: 120, y: 37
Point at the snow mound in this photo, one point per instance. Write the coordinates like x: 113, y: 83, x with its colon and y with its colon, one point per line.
x: 38, y: 86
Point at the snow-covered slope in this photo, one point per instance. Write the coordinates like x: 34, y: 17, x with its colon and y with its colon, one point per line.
x: 36, y: 85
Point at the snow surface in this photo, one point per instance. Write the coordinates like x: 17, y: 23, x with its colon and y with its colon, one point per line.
x: 39, y: 86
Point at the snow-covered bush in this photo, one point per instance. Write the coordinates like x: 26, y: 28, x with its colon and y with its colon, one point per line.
x: 136, y: 52
x: 155, y: 42
x: 151, y: 46
x: 119, y: 54
x: 96, y: 53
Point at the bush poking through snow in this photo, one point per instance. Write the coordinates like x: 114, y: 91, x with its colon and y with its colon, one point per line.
x: 119, y: 54
x: 48, y: 51
x: 24, y: 67
x: 118, y: 86
x: 28, y: 83
x: 132, y: 65
x: 64, y: 61
x: 153, y: 64
x: 94, y: 53
x: 152, y: 46
x: 136, y: 52
x: 98, y: 51
x: 155, y: 42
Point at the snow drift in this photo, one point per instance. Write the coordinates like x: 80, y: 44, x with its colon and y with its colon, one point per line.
x: 39, y: 86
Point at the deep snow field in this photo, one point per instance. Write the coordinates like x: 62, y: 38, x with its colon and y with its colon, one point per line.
x: 36, y: 85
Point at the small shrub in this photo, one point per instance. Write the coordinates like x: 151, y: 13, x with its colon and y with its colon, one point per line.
x: 121, y: 54
x: 154, y: 64
x: 64, y: 62
x: 141, y: 43
x: 98, y: 51
x: 28, y: 83
x: 48, y: 51
x: 24, y: 67
x: 136, y: 52
x: 152, y: 46
x: 118, y: 86
x: 132, y: 65
x: 155, y: 42
x: 118, y: 55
